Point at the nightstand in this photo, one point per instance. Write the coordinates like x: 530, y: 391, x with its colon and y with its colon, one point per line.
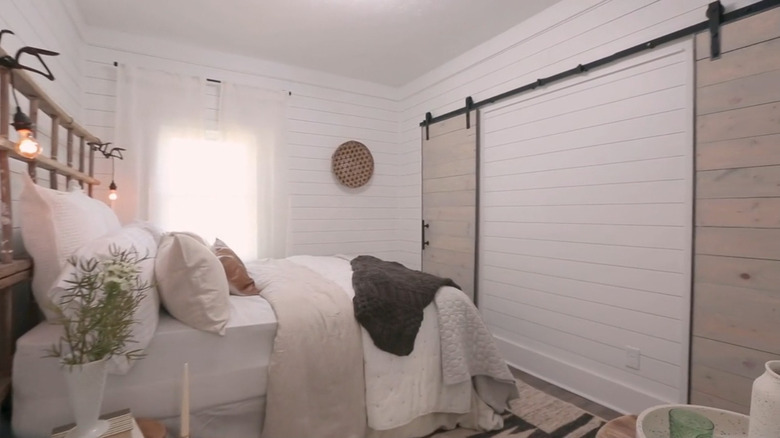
x: 151, y: 428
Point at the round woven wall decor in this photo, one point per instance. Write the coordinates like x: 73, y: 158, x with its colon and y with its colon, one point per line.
x: 352, y: 164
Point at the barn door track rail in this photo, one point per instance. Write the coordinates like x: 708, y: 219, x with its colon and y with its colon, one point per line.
x: 715, y: 19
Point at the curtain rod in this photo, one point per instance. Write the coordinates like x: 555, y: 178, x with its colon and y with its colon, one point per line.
x: 714, y: 22
x: 216, y: 81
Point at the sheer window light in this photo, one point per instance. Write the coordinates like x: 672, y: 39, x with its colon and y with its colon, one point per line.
x: 208, y: 187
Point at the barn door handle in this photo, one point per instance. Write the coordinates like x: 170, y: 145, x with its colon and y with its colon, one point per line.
x: 425, y: 242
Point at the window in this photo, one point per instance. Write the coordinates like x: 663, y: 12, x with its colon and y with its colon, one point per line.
x: 208, y: 187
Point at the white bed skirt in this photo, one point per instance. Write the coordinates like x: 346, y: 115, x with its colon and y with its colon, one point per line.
x: 241, y: 420
x: 223, y: 369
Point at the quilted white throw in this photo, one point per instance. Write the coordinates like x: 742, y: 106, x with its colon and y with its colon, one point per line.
x: 412, y: 395
x: 316, y: 386
x: 469, y: 350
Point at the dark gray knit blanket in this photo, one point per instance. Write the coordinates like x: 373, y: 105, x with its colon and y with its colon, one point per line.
x: 389, y: 301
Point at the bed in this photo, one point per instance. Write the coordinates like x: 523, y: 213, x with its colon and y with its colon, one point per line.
x: 292, y: 361
x: 229, y: 374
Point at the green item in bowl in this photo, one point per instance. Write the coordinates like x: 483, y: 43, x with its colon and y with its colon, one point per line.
x: 684, y: 423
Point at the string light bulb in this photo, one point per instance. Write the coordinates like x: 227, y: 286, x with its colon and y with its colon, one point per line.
x: 27, y: 146
x: 112, y: 195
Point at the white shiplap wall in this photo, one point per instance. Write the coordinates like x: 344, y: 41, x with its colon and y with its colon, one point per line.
x: 567, y: 34
x: 587, y: 227
x: 54, y: 26
x: 323, y: 112
x: 570, y: 32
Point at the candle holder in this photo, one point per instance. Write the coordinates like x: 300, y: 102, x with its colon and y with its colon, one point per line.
x: 184, y: 425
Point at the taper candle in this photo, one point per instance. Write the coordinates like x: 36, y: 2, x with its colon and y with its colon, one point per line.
x: 185, y: 402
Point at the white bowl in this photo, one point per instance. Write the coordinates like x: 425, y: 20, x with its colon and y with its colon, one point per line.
x: 654, y: 422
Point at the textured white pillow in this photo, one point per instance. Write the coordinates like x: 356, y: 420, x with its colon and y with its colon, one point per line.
x: 148, y: 313
x: 192, y: 283
x: 54, y: 225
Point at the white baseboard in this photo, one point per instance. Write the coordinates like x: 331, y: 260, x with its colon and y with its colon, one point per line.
x: 594, y: 387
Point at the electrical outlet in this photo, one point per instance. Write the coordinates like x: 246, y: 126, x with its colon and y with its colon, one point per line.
x: 632, y: 357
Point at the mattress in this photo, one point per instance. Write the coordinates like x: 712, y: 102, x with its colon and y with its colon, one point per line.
x: 223, y: 370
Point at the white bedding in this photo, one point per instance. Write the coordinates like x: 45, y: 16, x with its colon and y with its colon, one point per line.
x: 223, y: 370
x: 402, y: 388
x: 405, y: 396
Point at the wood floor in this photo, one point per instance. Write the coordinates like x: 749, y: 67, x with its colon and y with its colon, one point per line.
x: 567, y: 396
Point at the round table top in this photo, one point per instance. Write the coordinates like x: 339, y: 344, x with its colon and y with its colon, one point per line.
x: 621, y: 427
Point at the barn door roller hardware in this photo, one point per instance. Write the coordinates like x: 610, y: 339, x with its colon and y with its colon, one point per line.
x: 715, y: 15
x: 716, y: 18
x: 427, y: 123
x: 469, y: 106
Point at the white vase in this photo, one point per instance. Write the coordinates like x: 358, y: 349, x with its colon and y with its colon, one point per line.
x: 85, y: 391
x: 765, y: 403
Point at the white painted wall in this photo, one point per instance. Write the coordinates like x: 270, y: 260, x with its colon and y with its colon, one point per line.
x: 54, y: 26
x: 561, y: 37
x: 587, y: 202
x: 324, y: 111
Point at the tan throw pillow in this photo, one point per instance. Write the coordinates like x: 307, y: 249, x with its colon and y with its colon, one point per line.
x: 238, y: 278
x: 192, y: 283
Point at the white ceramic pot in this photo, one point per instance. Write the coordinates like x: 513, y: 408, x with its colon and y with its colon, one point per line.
x: 85, y: 390
x: 765, y: 403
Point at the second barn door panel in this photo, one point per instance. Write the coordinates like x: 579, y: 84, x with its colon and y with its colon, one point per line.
x: 449, y: 200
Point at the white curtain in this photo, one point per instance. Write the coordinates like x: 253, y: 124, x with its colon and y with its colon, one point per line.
x: 256, y: 119
x: 153, y: 107
x: 228, y: 183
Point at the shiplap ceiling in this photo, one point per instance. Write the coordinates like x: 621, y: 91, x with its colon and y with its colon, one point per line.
x: 389, y: 42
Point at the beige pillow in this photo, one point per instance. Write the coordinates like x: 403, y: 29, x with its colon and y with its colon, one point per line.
x: 238, y: 278
x: 54, y: 225
x: 192, y: 283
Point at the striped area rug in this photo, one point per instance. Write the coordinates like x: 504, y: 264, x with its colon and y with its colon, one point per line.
x: 537, y: 415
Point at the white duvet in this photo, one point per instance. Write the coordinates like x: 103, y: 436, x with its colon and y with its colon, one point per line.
x: 400, y: 389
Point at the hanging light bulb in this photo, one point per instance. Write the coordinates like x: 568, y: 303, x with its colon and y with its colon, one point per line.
x: 26, y: 146
x: 112, y: 195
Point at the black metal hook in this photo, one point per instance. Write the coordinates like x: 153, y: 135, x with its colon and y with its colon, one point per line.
x: 10, y: 62
x: 6, y: 31
x: 103, y: 149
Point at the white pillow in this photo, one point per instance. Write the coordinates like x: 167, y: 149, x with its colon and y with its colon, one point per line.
x: 192, y: 283
x: 54, y: 225
x: 148, y: 313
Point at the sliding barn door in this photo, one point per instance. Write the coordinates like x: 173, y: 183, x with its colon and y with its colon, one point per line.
x: 449, y: 199
x: 736, y: 305
x: 586, y: 223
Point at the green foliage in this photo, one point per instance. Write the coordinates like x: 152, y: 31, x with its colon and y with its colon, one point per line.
x: 98, y: 307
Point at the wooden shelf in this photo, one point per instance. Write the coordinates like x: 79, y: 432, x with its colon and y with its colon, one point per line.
x: 14, y: 272
x: 48, y: 163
